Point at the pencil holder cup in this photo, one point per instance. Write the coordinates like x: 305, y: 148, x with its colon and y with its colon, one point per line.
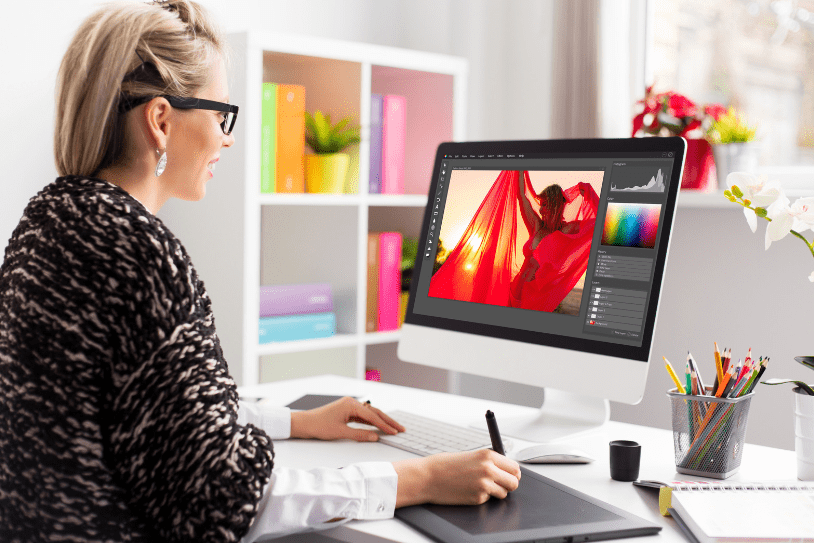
x: 708, y: 433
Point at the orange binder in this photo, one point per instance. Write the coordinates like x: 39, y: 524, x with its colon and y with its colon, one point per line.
x: 290, y: 138
x: 372, y: 317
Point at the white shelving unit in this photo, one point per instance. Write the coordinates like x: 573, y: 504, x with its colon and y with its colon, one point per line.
x: 240, y: 239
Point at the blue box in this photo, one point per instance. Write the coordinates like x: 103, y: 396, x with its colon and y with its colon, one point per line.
x: 294, y: 327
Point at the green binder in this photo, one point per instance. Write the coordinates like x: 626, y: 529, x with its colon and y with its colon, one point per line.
x: 268, y: 139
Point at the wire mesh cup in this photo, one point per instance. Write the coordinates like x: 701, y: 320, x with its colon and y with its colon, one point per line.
x: 708, y: 433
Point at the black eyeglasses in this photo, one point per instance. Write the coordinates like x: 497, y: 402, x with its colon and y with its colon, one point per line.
x: 229, y: 110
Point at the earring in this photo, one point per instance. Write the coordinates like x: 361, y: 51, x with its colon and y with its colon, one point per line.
x: 162, y: 162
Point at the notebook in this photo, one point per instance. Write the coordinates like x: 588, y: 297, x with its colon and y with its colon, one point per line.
x: 722, y: 512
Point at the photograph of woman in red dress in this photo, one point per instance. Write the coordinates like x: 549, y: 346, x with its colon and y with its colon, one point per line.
x: 527, y: 242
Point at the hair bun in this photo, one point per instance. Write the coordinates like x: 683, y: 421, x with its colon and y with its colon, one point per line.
x: 188, y: 12
x: 166, y: 4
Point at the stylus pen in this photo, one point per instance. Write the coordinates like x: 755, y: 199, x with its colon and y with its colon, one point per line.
x: 494, y: 433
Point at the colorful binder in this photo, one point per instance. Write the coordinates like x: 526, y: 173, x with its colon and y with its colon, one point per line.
x: 290, y: 176
x: 296, y: 327
x: 403, y: 299
x: 394, y: 122
x: 268, y: 138
x: 375, y: 183
x: 389, y: 280
x: 372, y: 315
x: 295, y: 299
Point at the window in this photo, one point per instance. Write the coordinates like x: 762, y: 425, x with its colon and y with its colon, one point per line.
x: 756, y: 55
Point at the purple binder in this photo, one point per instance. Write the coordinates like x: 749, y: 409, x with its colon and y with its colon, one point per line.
x: 376, y: 144
x: 295, y: 299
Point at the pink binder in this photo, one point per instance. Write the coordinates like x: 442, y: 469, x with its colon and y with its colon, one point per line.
x: 389, y: 280
x: 394, y: 121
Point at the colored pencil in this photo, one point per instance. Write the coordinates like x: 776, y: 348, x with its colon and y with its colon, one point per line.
x: 719, y: 372
x: 702, y: 387
x: 724, y: 382
x: 731, y: 382
x: 673, y: 376
x: 759, y: 374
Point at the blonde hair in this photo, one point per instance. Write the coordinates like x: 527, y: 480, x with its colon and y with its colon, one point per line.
x: 126, y: 51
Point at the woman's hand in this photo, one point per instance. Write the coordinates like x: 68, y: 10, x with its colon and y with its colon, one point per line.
x: 464, y: 478
x: 331, y: 421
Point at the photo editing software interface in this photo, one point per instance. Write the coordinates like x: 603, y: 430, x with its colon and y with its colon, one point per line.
x: 564, y: 245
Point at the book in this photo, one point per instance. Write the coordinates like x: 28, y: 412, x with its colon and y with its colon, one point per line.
x: 268, y: 138
x: 394, y: 125
x: 294, y: 327
x: 290, y: 175
x: 723, y: 512
x: 372, y: 315
x: 375, y: 182
x: 404, y: 297
x: 389, y: 280
x: 295, y: 299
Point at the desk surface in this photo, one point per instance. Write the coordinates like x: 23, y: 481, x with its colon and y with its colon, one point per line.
x: 758, y: 464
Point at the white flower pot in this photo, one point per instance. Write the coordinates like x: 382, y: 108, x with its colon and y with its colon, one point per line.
x: 735, y: 157
x: 804, y: 434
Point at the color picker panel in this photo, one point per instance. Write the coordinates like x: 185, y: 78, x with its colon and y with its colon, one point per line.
x: 631, y: 225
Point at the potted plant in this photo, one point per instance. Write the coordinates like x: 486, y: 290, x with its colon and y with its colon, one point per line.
x: 326, y: 169
x: 766, y: 199
x: 672, y: 114
x: 733, y: 144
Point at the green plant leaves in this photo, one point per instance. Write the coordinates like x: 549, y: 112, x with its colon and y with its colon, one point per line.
x: 326, y: 138
x: 731, y: 128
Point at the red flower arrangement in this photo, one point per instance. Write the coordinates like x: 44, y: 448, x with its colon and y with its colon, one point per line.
x: 672, y: 114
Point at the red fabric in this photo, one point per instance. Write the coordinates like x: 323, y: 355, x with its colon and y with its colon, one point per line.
x: 481, y: 267
x: 562, y: 258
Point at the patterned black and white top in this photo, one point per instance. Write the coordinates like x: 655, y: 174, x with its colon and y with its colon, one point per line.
x: 118, y: 417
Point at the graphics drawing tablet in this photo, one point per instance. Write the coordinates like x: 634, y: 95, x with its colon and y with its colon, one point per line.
x: 539, y: 510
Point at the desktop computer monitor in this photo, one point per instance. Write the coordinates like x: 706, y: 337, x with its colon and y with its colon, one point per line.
x: 541, y: 262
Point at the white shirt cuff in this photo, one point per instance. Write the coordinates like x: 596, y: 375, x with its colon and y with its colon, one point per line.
x: 298, y: 500
x: 272, y: 419
x: 382, y: 484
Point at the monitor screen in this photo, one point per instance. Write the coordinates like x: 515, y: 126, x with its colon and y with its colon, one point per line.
x: 553, y: 244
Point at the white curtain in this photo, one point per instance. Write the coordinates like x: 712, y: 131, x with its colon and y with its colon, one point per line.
x: 575, y: 73
x: 598, y: 68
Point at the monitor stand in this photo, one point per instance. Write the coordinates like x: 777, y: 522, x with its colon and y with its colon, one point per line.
x: 562, y: 415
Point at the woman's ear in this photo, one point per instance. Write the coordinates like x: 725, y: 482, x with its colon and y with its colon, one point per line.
x: 157, y: 113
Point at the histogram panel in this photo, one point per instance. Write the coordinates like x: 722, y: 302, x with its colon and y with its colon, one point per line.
x: 639, y: 179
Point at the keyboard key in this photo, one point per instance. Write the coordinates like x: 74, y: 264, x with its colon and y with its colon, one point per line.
x: 425, y: 436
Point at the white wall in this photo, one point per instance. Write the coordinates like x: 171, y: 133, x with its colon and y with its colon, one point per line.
x: 719, y: 286
x: 507, y: 43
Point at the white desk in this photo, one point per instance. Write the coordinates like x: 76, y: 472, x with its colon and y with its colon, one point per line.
x: 759, y: 463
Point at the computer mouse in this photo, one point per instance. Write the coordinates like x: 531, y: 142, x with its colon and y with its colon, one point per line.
x: 552, y: 453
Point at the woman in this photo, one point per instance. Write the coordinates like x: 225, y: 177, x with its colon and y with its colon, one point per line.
x: 118, y: 418
x: 556, y: 253
x: 480, y: 268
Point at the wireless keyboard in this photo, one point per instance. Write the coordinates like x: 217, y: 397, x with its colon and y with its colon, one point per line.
x: 425, y: 436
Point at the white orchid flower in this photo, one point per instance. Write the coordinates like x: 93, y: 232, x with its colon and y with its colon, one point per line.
x: 758, y: 190
x: 798, y: 217
x: 811, y: 277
